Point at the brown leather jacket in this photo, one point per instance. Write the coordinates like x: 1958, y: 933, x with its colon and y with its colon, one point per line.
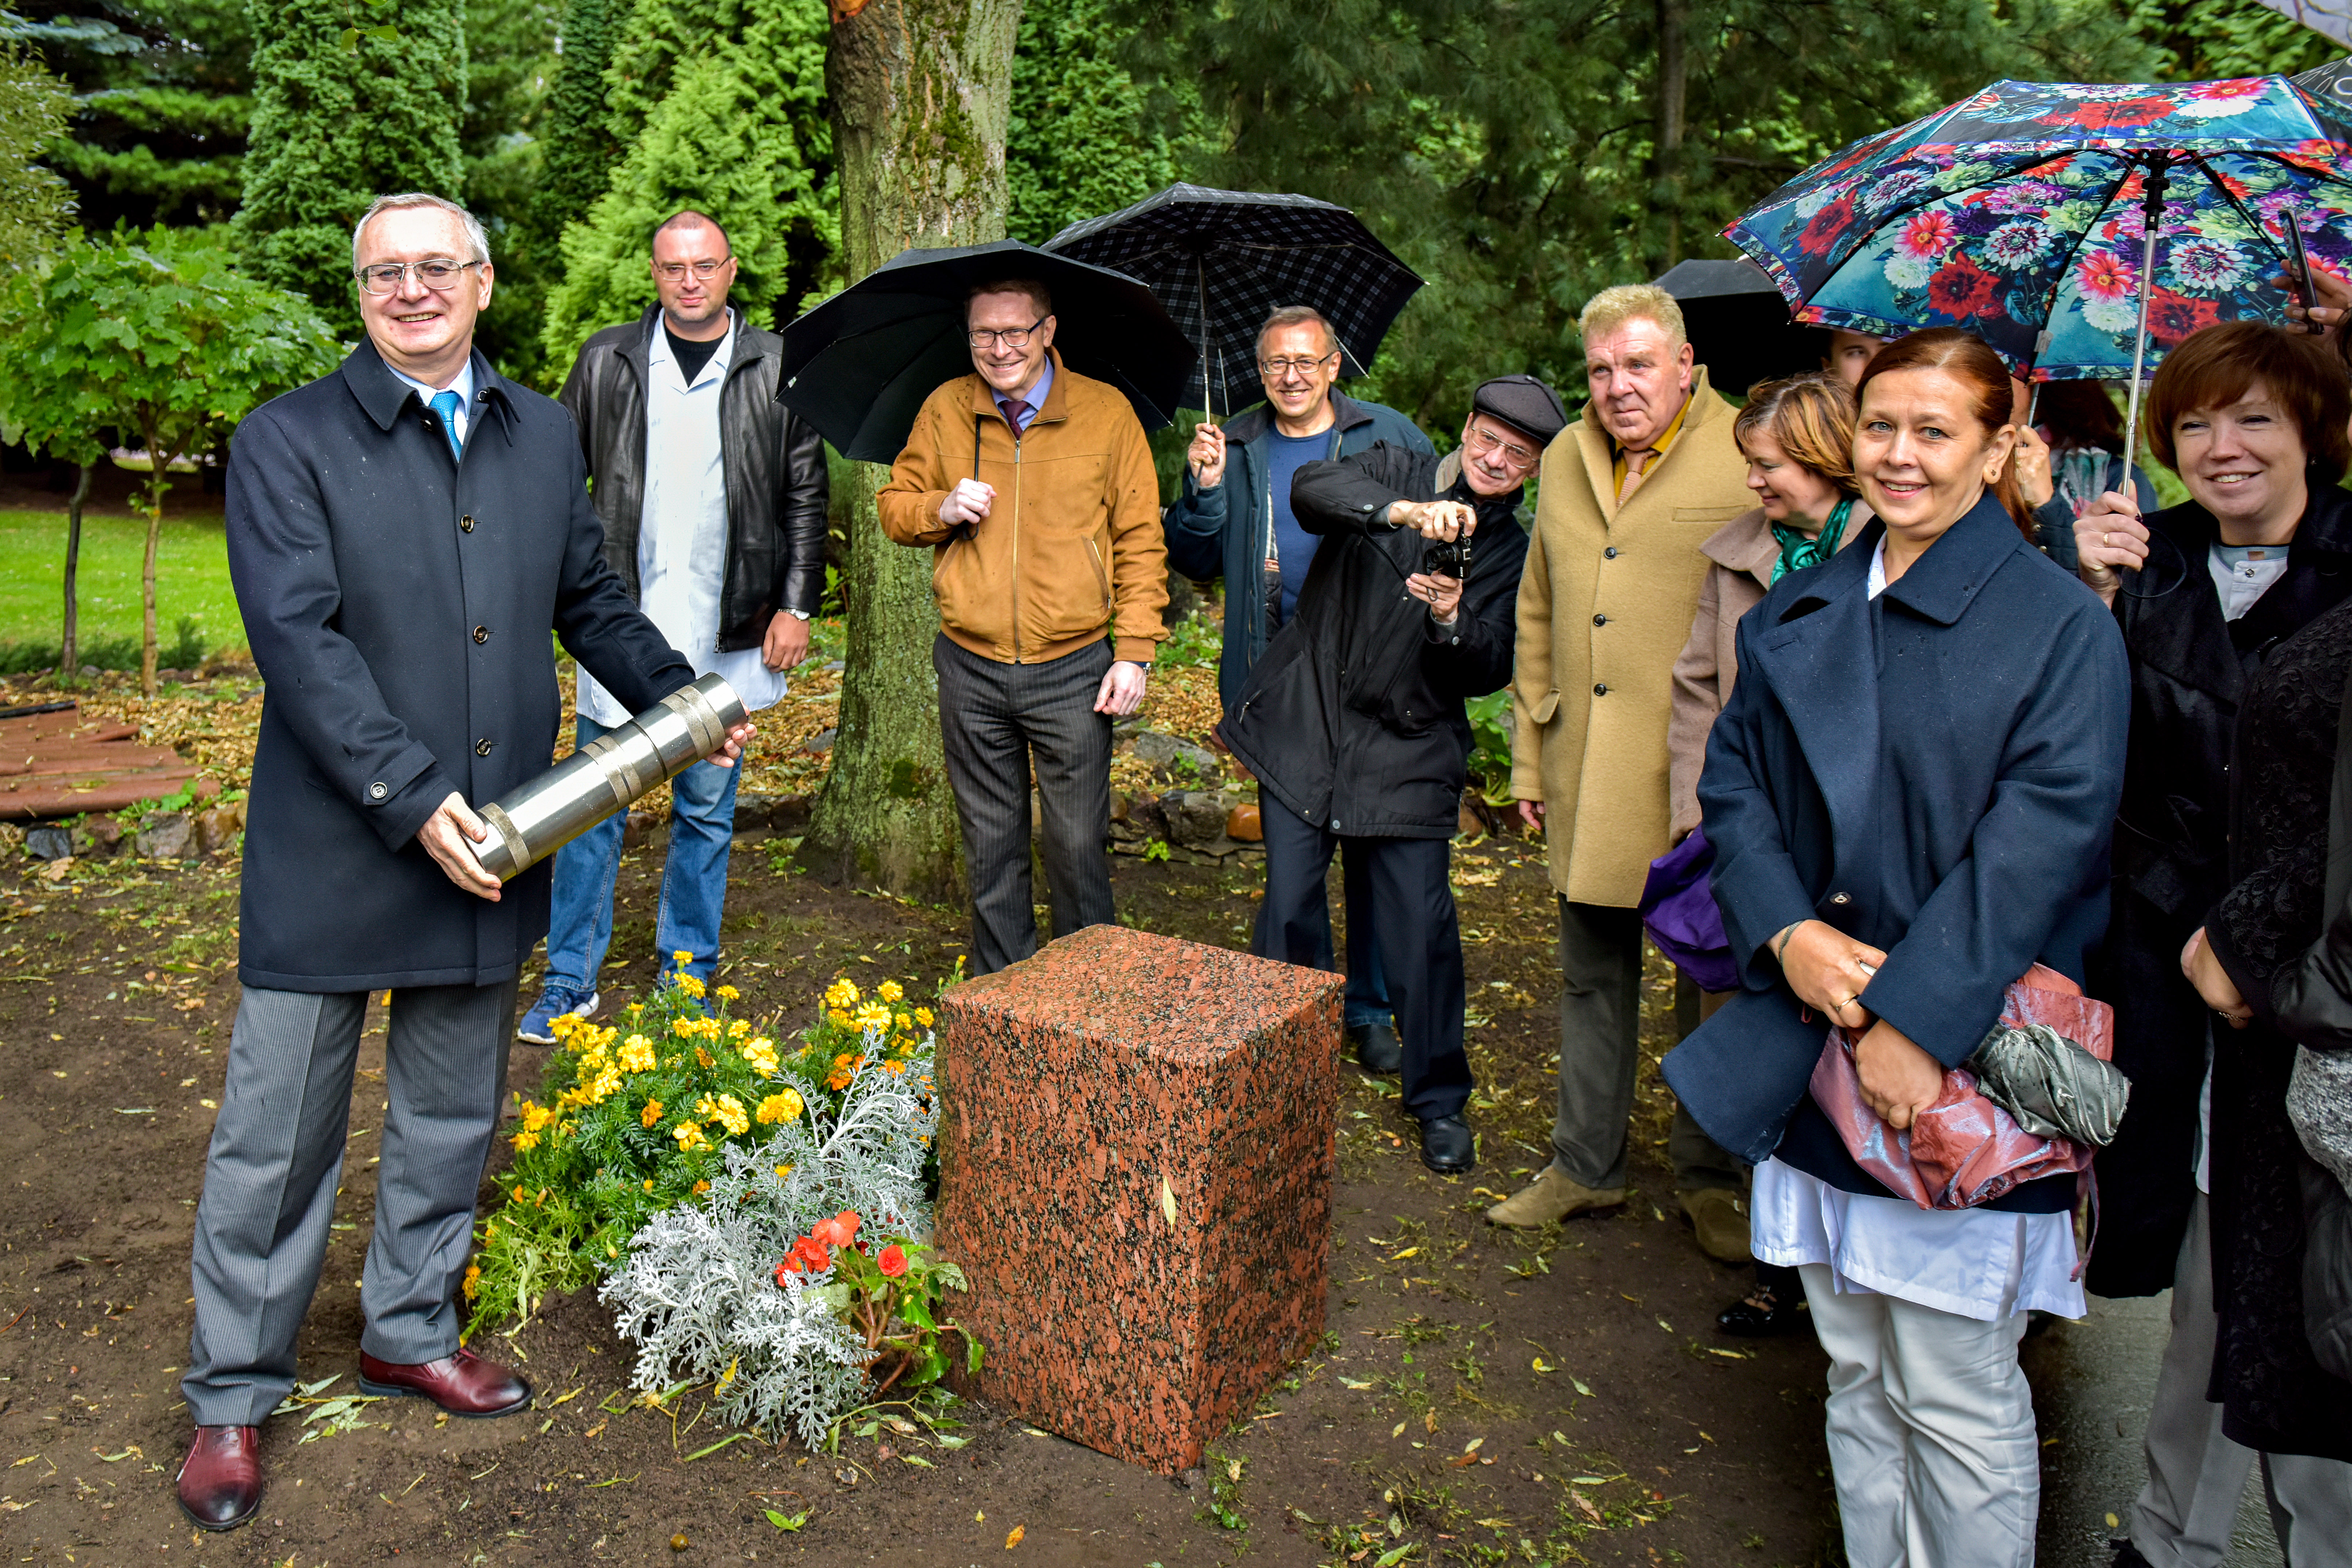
x: 1072, y: 547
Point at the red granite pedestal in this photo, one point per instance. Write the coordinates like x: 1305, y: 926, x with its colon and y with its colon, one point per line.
x: 1137, y: 1161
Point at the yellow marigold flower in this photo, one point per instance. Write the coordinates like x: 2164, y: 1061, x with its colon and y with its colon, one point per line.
x: 682, y: 956
x: 691, y: 985
x: 636, y: 1054
x: 728, y: 994
x: 763, y: 1056
x: 923, y: 1016
x: 903, y: 1021
x: 702, y: 1187
x: 535, y: 1117
x: 840, y: 1019
x: 525, y: 1141
x: 473, y: 1279
x: 782, y: 1170
x: 890, y: 991
x: 649, y: 1184
x: 701, y: 1055
x: 689, y: 1137
x: 841, y: 992
x: 646, y: 1118
x: 784, y: 1105
x: 739, y: 1028
x: 732, y: 1115
x: 682, y: 1027
x: 518, y: 1195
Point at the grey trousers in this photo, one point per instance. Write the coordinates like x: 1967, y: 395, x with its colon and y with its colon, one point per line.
x: 992, y: 717
x: 276, y: 1157
x: 1599, y: 1049
x: 2182, y: 1518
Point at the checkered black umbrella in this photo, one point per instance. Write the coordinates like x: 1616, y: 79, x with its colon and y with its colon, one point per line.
x: 1221, y: 261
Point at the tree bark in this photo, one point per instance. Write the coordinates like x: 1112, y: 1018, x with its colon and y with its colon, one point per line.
x: 1674, y: 95
x: 158, y: 481
x: 921, y: 96
x: 70, y: 649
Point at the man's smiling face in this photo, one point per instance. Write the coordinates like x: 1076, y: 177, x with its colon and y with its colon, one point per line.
x: 421, y: 330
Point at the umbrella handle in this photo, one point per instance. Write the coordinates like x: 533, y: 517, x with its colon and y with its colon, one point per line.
x: 2152, y: 217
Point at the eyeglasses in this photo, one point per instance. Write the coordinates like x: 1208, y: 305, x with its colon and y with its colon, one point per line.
x: 1015, y: 338
x: 1281, y: 369
x: 1486, y: 443
x: 675, y: 271
x: 440, y: 274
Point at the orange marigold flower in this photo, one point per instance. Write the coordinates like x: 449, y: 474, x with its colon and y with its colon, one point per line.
x: 651, y: 1115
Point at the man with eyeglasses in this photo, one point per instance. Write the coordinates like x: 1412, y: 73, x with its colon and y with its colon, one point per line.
x: 1033, y: 489
x: 1629, y: 494
x: 1235, y: 520
x: 402, y: 535
x: 1354, y: 723
x: 713, y: 499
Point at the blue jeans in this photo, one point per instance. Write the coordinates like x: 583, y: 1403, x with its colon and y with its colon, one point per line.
x: 694, y: 881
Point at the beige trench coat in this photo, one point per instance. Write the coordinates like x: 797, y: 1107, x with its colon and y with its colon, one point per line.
x: 1743, y: 552
x: 1605, y: 604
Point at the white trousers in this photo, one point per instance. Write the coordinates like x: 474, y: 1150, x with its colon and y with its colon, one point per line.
x: 1930, y: 1427
x: 2195, y: 1475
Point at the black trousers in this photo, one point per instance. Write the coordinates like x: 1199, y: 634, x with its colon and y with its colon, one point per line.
x: 1414, y: 930
x: 992, y: 717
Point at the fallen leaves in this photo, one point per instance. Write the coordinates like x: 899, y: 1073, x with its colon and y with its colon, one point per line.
x: 1013, y: 1539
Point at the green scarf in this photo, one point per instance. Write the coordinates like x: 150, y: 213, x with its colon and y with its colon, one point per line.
x: 1797, y: 552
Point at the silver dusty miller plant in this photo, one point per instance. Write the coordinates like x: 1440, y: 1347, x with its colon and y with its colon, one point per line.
x: 699, y: 1293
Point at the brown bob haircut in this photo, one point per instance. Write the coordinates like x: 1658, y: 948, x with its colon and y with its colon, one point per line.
x: 1966, y: 359
x: 1810, y: 418
x: 2214, y: 368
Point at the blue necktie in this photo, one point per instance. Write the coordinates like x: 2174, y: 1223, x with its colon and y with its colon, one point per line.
x: 446, y: 404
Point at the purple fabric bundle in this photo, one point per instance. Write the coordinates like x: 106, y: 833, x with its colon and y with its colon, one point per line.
x: 1678, y: 911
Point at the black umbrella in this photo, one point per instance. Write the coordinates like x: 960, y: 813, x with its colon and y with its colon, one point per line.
x: 1223, y: 260
x: 859, y: 365
x: 1739, y: 323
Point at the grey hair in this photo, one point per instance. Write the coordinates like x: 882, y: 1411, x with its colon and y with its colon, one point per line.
x: 1297, y: 316
x: 475, y: 239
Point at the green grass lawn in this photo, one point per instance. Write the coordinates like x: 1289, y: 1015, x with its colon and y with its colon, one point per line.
x: 191, y: 579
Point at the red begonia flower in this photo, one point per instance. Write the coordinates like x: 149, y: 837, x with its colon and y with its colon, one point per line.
x: 892, y: 1261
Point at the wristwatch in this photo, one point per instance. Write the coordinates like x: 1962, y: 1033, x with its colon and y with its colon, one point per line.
x: 796, y: 615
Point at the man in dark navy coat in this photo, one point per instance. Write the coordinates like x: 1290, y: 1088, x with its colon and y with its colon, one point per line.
x: 402, y: 535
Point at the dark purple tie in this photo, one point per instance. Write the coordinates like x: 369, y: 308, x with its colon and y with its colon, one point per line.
x: 1014, y: 410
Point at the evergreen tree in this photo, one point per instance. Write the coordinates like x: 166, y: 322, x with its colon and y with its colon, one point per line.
x: 578, y: 151
x: 36, y: 207
x: 340, y: 120
x: 1084, y: 139
x: 2204, y: 40
x: 510, y: 61
x: 164, y: 93
x: 735, y: 130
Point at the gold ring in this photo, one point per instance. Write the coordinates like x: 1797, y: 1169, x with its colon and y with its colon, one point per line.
x: 2107, y: 539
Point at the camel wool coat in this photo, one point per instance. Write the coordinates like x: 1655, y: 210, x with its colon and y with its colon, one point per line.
x: 1605, y: 606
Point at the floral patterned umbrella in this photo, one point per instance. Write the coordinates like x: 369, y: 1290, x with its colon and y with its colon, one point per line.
x: 2021, y: 215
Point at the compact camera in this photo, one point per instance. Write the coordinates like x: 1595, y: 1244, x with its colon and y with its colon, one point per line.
x: 1446, y: 558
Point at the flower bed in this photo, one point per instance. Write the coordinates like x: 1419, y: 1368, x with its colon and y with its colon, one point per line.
x: 718, y: 1181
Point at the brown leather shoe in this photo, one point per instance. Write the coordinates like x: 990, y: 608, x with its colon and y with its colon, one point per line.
x: 220, y: 1480
x: 463, y: 1384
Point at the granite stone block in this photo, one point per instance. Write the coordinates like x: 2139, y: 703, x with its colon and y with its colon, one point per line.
x: 1137, y: 1161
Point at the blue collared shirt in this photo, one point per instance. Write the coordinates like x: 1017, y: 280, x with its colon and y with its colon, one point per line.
x: 462, y: 386
x: 1034, y: 395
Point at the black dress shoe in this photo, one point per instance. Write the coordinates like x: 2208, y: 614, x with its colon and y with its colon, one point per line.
x: 2127, y: 1554
x: 1378, y: 1049
x: 1765, y: 1313
x: 1447, y: 1146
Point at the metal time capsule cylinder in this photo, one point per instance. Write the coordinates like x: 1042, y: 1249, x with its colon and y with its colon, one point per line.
x: 608, y: 774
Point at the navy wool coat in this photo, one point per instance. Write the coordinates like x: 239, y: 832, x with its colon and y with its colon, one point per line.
x: 1934, y: 773
x: 398, y: 602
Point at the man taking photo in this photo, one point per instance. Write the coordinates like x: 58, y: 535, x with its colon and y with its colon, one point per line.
x: 1235, y: 520
x: 712, y: 495
x: 1033, y: 488
x: 1354, y: 725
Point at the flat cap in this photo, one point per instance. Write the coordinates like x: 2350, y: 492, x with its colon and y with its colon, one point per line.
x: 1523, y: 403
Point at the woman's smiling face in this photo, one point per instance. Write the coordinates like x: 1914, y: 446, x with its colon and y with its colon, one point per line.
x: 1786, y: 487
x: 2243, y: 463
x: 1919, y: 454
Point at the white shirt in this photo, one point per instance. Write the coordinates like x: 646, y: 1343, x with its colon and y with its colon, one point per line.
x: 682, y: 532
x: 462, y: 386
x: 2243, y: 574
x: 1974, y: 1263
x: 1878, y: 568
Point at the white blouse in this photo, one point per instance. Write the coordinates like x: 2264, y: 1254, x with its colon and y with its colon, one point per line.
x: 1975, y: 1263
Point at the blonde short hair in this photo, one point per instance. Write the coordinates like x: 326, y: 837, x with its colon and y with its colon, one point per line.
x: 1614, y: 307
x: 1810, y: 418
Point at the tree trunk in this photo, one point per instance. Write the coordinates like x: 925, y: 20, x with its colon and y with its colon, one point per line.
x: 158, y: 481
x: 921, y: 96
x: 1673, y: 94
x: 69, y: 651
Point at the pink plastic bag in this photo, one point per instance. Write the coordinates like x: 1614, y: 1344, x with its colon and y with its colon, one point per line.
x: 1964, y: 1149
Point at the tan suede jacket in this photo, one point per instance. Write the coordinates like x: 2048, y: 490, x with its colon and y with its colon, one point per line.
x: 1071, y: 549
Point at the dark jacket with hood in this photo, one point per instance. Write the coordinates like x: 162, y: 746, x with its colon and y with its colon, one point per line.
x: 1354, y: 719
x: 773, y: 460
x: 1225, y: 531
x: 398, y: 601
x: 2190, y: 668
x: 1935, y: 772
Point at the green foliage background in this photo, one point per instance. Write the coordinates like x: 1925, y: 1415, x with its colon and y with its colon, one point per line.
x: 36, y: 205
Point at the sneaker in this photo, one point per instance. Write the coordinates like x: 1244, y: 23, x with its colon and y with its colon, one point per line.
x: 537, y: 1028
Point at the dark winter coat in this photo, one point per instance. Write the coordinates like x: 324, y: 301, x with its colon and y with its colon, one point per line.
x: 398, y: 603
x: 1354, y: 717
x: 2273, y: 1394
x: 2190, y: 668
x: 1225, y: 531
x: 1934, y: 773
x: 773, y: 458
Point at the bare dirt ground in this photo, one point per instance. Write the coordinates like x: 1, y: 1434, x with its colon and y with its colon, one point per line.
x: 1482, y: 1396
